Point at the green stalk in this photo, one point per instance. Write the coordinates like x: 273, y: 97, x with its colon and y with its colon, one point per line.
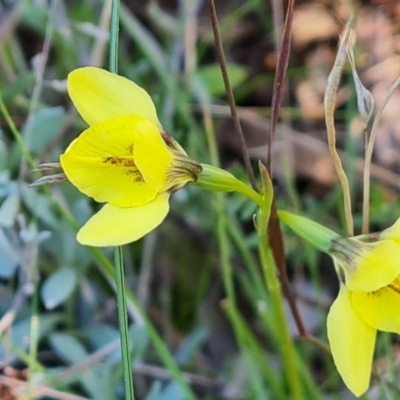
x: 273, y: 285
x: 34, y: 340
x: 123, y: 323
x: 114, y: 34
x: 158, y: 343
x: 118, y: 254
x: 16, y: 134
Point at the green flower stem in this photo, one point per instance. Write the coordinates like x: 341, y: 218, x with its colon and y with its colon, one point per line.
x: 250, y: 193
x: 277, y: 301
x: 33, y: 341
x: 123, y: 323
x: 118, y: 253
x: 158, y: 343
x: 311, y: 389
x: 114, y: 35
x: 16, y: 134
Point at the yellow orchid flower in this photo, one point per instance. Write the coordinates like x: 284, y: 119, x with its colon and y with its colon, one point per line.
x: 122, y: 159
x: 368, y: 301
x: 369, y: 295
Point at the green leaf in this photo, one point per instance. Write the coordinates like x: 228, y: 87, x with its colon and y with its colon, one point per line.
x: 99, y: 336
x: 67, y: 347
x: 8, y: 256
x: 20, y: 85
x: 42, y: 128
x: 139, y: 340
x: 99, y: 381
x: 212, y: 77
x: 39, y: 205
x: 57, y: 287
x: 34, y: 15
x: 191, y: 345
x: 172, y: 391
x: 3, y: 158
x: 96, y: 378
x: 9, y: 210
x: 154, y: 392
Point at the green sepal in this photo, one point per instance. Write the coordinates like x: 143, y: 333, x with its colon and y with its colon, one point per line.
x: 267, y: 189
x: 318, y: 235
x: 218, y: 180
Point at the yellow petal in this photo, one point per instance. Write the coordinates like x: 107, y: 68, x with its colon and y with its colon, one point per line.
x: 380, y: 309
x: 392, y: 233
x: 160, y: 166
x: 352, y: 343
x: 153, y: 158
x: 114, y: 226
x: 99, y: 95
x: 375, y: 268
x: 100, y: 162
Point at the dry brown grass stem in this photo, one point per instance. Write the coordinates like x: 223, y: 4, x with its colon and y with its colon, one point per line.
x: 274, y: 230
x: 229, y: 93
x: 330, y: 105
x: 368, y: 155
x: 17, y: 387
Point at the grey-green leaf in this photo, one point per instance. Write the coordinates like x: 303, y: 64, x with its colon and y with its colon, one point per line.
x: 57, y: 287
x: 42, y: 127
x: 8, y: 256
x: 9, y: 210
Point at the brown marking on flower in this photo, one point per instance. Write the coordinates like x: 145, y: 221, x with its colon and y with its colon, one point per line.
x: 395, y: 285
x: 375, y: 293
x: 124, y: 161
x: 183, y: 169
x: 349, y: 251
x: 137, y: 176
x: 138, y: 179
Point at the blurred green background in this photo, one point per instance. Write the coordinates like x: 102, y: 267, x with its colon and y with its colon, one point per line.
x: 58, y: 316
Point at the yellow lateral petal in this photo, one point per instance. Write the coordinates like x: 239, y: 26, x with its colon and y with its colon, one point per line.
x: 352, y: 343
x: 153, y: 158
x: 99, y: 95
x: 376, y: 268
x: 380, y: 309
x: 114, y: 226
x: 160, y: 166
x: 392, y: 233
x: 100, y: 163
